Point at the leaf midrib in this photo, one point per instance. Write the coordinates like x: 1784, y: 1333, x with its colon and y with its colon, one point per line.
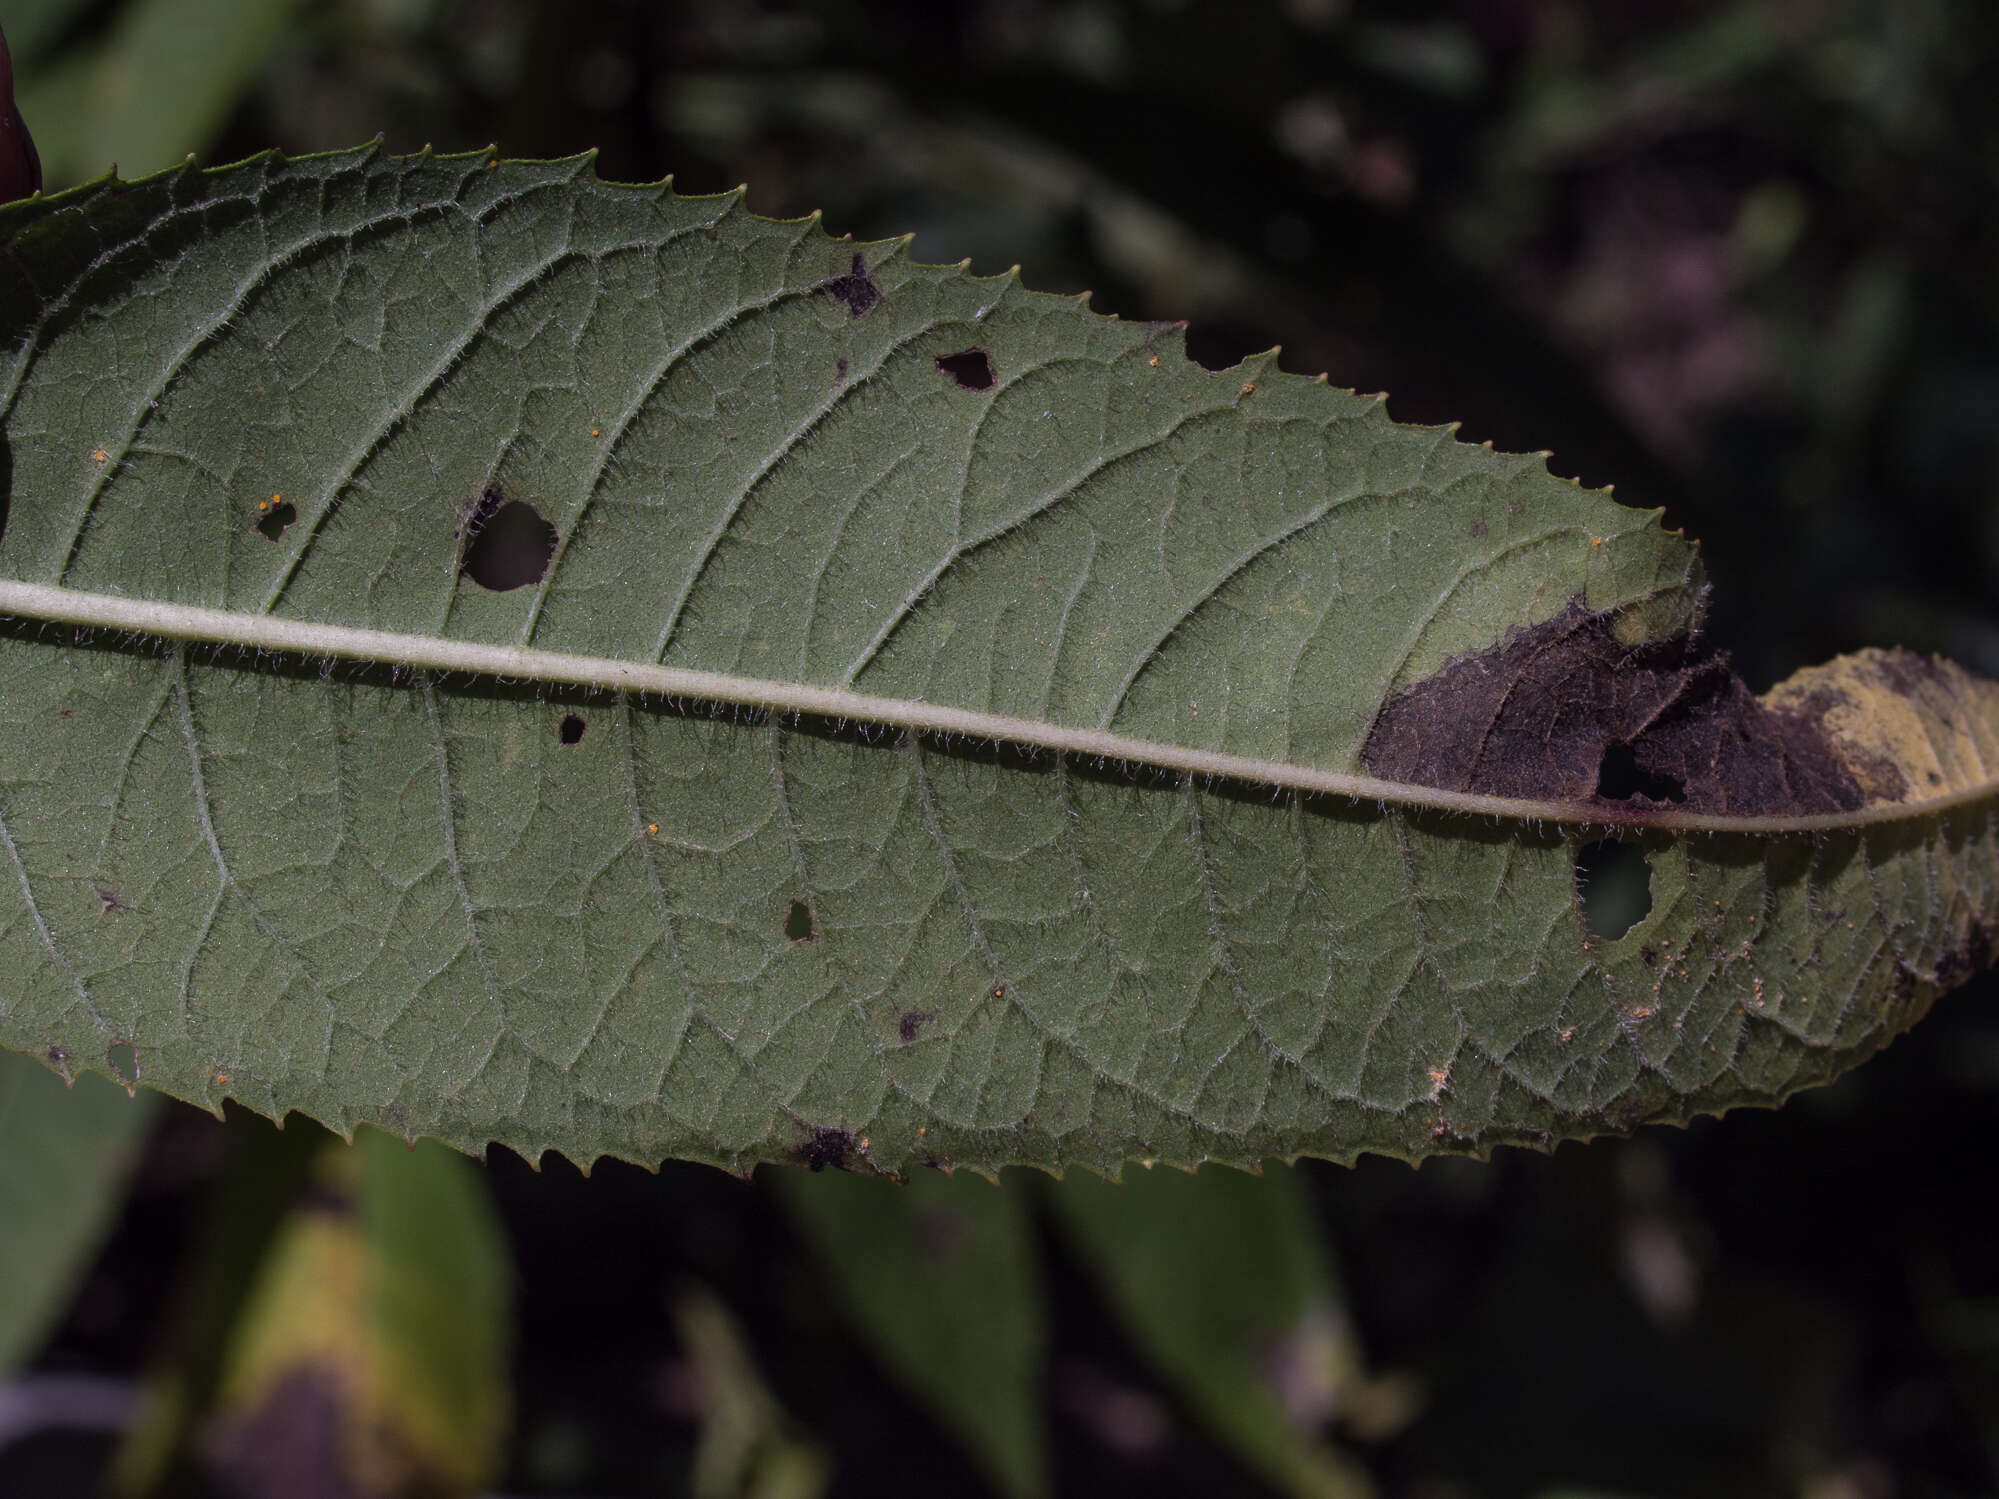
x: 263, y: 632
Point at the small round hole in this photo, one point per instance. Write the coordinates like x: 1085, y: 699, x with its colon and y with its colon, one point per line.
x: 798, y: 922
x: 1614, y: 885
x: 572, y: 729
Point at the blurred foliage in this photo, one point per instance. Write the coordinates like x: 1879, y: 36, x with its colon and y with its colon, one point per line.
x: 1735, y: 256
x: 353, y: 1334
x: 65, y: 1151
x: 940, y: 1278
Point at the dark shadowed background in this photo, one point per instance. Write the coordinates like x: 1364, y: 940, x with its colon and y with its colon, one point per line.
x: 1739, y: 258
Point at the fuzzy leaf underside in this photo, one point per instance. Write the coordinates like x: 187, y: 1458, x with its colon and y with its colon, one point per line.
x: 924, y: 742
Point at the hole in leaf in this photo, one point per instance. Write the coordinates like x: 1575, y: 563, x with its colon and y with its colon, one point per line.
x: 508, y: 544
x: 856, y: 289
x: 972, y: 370
x: 124, y: 1060
x: 277, y: 520
x: 798, y: 922
x: 1614, y: 885
x: 572, y: 729
x: 1620, y: 777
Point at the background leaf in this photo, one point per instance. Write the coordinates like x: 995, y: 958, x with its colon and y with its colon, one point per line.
x: 64, y: 1156
x: 1223, y: 1280
x: 940, y: 1277
x: 159, y: 83
x: 368, y: 1340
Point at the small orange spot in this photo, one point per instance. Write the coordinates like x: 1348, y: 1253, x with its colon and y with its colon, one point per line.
x: 1596, y: 541
x: 652, y: 830
x: 1155, y: 361
x: 222, y: 1078
x: 923, y: 1129
x: 1249, y: 388
x: 999, y: 991
x: 596, y: 432
x: 98, y: 455
x: 864, y: 1142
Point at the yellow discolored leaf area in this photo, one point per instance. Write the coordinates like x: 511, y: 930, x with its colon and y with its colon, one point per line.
x: 1912, y: 730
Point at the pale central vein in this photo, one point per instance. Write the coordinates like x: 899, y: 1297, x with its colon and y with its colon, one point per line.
x: 37, y: 601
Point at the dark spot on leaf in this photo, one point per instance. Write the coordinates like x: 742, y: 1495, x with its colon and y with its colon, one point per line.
x: 912, y: 1022
x: 855, y: 289
x: 109, y: 900
x: 1971, y: 955
x: 840, y: 372
x: 124, y: 1060
x: 1614, y: 885
x: 971, y: 370
x: 1620, y: 777
x: 798, y: 923
x: 1477, y: 529
x: 507, y: 544
x: 1564, y: 711
x: 58, y: 1055
x: 572, y: 729
x: 277, y: 520
x: 1650, y: 955
x: 827, y: 1147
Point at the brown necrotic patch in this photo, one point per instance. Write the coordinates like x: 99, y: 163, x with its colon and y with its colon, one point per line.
x: 1564, y: 711
x: 856, y: 290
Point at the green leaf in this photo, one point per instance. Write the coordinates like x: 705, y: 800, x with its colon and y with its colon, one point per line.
x: 63, y: 1157
x: 933, y: 715
x: 1224, y: 1283
x: 942, y: 1280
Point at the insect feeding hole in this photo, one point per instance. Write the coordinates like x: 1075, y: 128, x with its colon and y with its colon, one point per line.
x: 798, y: 922
x: 275, y: 517
x: 1614, y: 886
x: 124, y: 1060
x: 1620, y: 777
x: 971, y: 370
x: 572, y: 729
x: 507, y: 543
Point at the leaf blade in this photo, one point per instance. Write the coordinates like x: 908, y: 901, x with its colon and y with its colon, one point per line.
x: 563, y: 920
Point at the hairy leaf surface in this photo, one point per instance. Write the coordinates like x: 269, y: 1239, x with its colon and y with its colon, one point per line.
x: 513, y: 658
